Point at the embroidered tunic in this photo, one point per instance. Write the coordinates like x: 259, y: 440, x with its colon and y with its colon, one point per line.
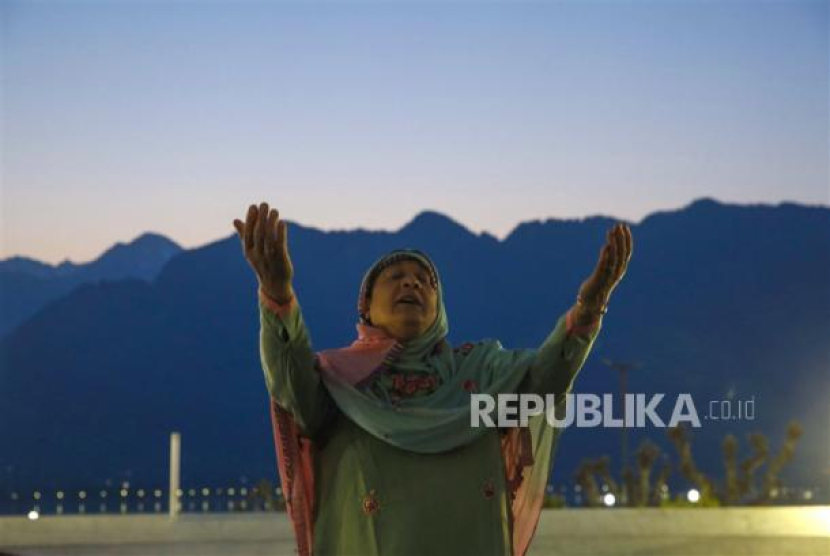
x: 374, y: 498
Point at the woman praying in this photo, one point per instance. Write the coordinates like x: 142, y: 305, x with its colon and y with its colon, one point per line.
x: 375, y: 448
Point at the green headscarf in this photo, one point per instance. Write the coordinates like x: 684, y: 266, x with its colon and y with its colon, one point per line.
x: 440, y: 420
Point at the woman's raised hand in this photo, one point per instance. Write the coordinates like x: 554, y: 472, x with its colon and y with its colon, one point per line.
x: 264, y: 240
x: 613, y: 262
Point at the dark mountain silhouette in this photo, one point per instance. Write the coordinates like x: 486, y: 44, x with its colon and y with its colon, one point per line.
x: 725, y: 302
x: 27, y: 285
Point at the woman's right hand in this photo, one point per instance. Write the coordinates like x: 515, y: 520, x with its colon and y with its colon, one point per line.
x: 264, y: 240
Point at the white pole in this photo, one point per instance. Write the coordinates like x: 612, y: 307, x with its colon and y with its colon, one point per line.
x: 175, y: 469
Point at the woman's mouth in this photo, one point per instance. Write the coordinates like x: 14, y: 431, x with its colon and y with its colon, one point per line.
x: 410, y: 300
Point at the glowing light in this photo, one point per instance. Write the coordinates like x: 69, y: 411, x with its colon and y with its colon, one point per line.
x: 609, y: 499
x: 33, y: 515
x: 82, y: 495
x: 60, y: 495
x: 693, y: 495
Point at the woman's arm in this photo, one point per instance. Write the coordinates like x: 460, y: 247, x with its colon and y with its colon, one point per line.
x: 562, y: 354
x: 289, y: 363
x: 285, y: 347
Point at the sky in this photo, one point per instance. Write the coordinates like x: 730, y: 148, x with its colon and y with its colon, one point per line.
x: 124, y: 117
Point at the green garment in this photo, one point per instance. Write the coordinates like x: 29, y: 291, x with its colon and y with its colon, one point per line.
x: 374, y: 498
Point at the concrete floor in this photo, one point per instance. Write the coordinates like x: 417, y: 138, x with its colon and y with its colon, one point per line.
x: 622, y: 532
x: 641, y: 546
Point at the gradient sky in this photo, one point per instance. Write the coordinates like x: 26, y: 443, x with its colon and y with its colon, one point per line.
x: 125, y: 117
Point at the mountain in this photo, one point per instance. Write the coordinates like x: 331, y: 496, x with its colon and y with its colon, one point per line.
x: 721, y: 301
x: 26, y: 285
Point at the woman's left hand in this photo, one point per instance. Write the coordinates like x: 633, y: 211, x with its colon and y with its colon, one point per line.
x: 613, y: 262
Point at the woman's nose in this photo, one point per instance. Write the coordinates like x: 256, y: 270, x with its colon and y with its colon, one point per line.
x: 412, y: 282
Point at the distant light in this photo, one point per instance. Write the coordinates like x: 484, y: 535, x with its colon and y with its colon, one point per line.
x: 36, y: 495
x: 808, y: 494
x: 33, y: 515
x: 125, y: 484
x: 231, y: 492
x: 243, y: 491
x: 82, y: 495
x: 103, y: 494
x: 609, y: 499
x: 60, y: 495
x: 693, y: 495
x: 205, y: 491
x: 218, y: 491
x: 141, y: 493
x: 123, y: 492
x: 191, y: 492
x: 14, y: 496
x: 157, y: 493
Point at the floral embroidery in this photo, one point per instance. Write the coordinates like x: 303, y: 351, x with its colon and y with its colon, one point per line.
x: 370, y: 503
x: 470, y: 386
x: 408, y: 385
x: 489, y: 489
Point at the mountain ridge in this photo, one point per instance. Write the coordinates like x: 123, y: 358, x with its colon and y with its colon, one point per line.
x: 718, y: 299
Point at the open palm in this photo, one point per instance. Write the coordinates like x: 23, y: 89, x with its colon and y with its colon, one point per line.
x: 264, y: 240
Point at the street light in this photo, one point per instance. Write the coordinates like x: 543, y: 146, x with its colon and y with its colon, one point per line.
x: 622, y: 367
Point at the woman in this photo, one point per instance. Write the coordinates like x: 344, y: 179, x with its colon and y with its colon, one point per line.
x: 375, y: 448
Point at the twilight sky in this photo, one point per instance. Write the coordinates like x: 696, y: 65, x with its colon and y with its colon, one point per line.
x: 125, y: 117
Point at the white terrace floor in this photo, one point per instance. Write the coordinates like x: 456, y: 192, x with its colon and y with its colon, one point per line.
x: 803, y: 531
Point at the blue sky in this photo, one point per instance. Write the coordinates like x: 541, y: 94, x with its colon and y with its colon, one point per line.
x: 125, y: 117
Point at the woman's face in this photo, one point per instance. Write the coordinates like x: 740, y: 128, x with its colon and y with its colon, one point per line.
x: 403, y: 301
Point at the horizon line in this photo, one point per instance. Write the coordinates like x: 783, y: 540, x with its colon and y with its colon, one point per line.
x: 503, y: 237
